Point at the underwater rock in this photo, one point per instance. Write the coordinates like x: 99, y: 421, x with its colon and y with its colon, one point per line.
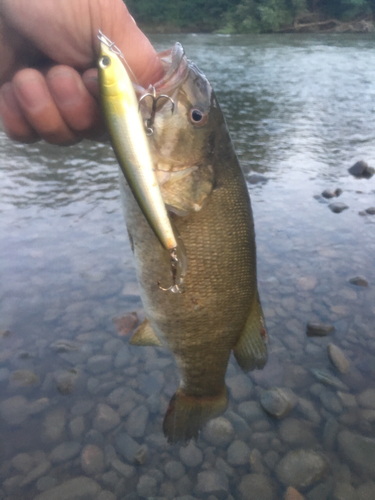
x: 327, y: 378
x: 14, y: 410
x: 337, y: 358
x: 337, y: 207
x: 92, y: 460
x: 106, y: 418
x: 211, y: 482
x: 219, y: 432
x: 278, y: 402
x: 370, y: 210
x: 359, y: 450
x: 79, y: 488
x: 359, y: 281
x: 319, y: 329
x: 191, y: 455
x: 65, y: 451
x: 23, y: 378
x: 301, y: 468
x: 147, y: 486
x: 238, y: 453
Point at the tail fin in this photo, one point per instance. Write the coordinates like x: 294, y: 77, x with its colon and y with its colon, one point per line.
x: 186, y: 415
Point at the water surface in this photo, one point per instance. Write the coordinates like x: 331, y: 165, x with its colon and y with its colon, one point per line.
x: 301, y: 110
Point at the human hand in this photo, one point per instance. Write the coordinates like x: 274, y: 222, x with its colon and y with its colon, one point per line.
x: 48, y: 52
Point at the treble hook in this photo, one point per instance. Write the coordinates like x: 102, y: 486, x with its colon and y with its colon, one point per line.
x: 150, y: 121
x: 175, y: 288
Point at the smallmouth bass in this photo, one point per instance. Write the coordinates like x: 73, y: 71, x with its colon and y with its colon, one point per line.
x: 203, y: 187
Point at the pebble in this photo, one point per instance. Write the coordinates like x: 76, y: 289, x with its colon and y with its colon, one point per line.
x: 330, y: 401
x: 122, y: 357
x: 82, y: 407
x: 92, y: 460
x: 301, y: 468
x: 359, y: 281
x: 106, y: 495
x: 337, y: 207
x: 46, y: 483
x: 256, y: 487
x: 65, y: 451
x: 123, y: 469
x: 191, y: 455
x: 137, y: 421
x: 319, y: 329
x: 327, y: 378
x: 328, y: 193
x: 14, y: 410
x: 79, y: 488
x: 66, y: 381
x: 337, y: 358
x: 370, y: 210
x: 296, y: 432
x: 100, y: 363
x: 126, y: 323
x: 106, y: 418
x: 141, y: 456
x: 292, y: 494
x: 23, y: 378
x: 23, y: 463
x: 54, y: 425
x: 212, y: 482
x: 238, y: 453
x: 240, y: 387
x: 367, y: 398
x: 278, y: 402
x: 361, y: 169
x: 306, y: 407
x: 344, y: 491
x: 250, y: 411
x: 219, y: 432
x: 174, y: 470
x: 147, y: 486
x: 39, y: 471
x: 366, y: 491
x: 256, y: 178
x: 127, y: 447
x: 77, y: 426
x: 359, y: 450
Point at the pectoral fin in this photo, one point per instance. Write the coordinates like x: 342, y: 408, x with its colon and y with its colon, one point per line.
x: 145, y: 335
x: 251, y: 350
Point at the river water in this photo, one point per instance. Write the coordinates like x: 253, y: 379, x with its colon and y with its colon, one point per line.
x: 77, y: 403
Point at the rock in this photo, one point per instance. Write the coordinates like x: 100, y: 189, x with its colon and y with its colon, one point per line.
x: 359, y: 281
x: 106, y: 495
x: 38, y: 471
x: 77, y: 426
x: 328, y: 193
x: 301, y: 468
x: 64, y: 345
x: 361, y: 169
x: 219, y: 432
x: 137, y: 421
x: 191, y: 455
x: 54, y: 425
x: 330, y: 401
x: 79, y: 488
x: 14, y: 410
x: 278, y: 402
x: 65, y: 451
x: 66, y: 381
x: 370, y: 210
x: 141, y: 456
x: 306, y: 283
x: 240, y: 387
x: 100, y: 363
x: 238, y: 453
x: 366, y: 491
x: 241, y: 428
x: 125, y: 324
x: 92, y: 460
x: 256, y: 178
x: 359, y: 450
x: 174, y: 470
x: 308, y: 410
x: 124, y: 470
x: 82, y: 407
x: 211, y: 482
x: 147, y: 486
x: 337, y: 207
x: 46, y: 483
x: 330, y: 431
x: 250, y: 411
x: 23, y: 463
x: 292, y: 494
x: 337, y: 358
x: 123, y: 357
x: 327, y: 378
x: 296, y: 432
x: 256, y: 487
x: 319, y: 329
x: 23, y: 378
x: 367, y: 398
x: 344, y: 491
x: 127, y: 447
x: 106, y: 418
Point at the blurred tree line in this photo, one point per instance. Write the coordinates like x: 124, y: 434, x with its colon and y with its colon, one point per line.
x: 244, y: 16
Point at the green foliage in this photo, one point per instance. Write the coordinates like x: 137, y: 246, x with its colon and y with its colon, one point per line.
x: 242, y: 16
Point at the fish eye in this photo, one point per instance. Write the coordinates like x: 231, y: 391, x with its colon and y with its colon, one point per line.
x: 197, y: 117
x: 105, y: 61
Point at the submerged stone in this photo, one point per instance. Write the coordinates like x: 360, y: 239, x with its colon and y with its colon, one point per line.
x: 359, y: 450
x: 337, y: 358
x: 301, y: 468
x: 319, y: 329
x: 79, y: 488
x: 278, y: 402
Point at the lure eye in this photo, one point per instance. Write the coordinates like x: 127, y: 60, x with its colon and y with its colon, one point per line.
x: 197, y: 117
x: 105, y: 61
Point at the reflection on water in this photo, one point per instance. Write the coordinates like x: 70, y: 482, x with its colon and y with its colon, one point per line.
x: 82, y: 409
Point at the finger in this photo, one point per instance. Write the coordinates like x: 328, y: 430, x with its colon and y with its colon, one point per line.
x: 76, y: 105
x: 39, y: 108
x: 90, y: 80
x: 14, y: 122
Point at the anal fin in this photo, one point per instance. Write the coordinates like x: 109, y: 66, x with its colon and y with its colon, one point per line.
x: 145, y: 336
x: 251, y: 350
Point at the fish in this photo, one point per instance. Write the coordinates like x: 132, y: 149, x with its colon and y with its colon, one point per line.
x: 205, y: 192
